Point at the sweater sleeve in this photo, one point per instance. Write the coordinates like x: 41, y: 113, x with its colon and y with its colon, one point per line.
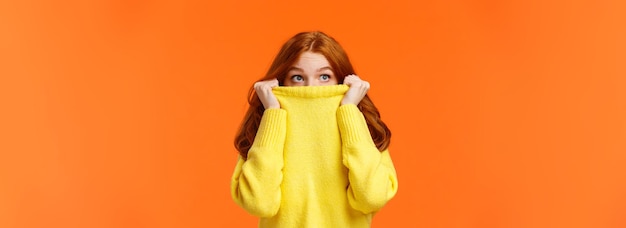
x: 371, y: 173
x: 255, y: 184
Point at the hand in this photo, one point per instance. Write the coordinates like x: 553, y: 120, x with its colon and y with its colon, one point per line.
x: 358, y: 90
x: 264, y: 91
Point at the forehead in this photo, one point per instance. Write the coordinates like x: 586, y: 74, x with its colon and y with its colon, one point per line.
x: 311, y: 58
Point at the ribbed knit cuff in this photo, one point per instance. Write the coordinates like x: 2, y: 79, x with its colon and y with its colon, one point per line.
x: 311, y: 91
x: 352, y: 124
x: 272, y: 129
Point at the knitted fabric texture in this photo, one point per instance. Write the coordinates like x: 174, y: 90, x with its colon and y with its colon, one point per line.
x: 313, y: 164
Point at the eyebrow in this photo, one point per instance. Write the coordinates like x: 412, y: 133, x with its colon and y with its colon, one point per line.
x: 318, y: 70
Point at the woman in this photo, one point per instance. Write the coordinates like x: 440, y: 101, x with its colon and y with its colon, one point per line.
x: 313, y: 149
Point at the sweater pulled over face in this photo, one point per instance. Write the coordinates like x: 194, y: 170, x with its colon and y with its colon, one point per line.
x: 313, y: 164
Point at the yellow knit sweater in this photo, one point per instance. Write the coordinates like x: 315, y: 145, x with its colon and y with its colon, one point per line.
x: 313, y: 164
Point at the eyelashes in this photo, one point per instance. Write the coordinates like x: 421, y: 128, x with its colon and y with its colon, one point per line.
x: 300, y: 78
x: 297, y: 78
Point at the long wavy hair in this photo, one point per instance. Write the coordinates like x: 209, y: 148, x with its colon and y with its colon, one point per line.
x: 317, y: 42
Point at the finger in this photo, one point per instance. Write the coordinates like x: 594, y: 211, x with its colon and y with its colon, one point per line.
x: 349, y: 80
x: 257, y: 86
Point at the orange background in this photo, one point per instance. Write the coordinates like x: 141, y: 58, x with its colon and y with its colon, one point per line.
x: 122, y: 113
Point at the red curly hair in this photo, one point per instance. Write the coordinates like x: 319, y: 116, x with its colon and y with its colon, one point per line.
x: 317, y: 42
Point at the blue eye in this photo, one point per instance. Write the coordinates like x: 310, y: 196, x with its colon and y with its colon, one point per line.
x: 325, y: 77
x: 297, y: 78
